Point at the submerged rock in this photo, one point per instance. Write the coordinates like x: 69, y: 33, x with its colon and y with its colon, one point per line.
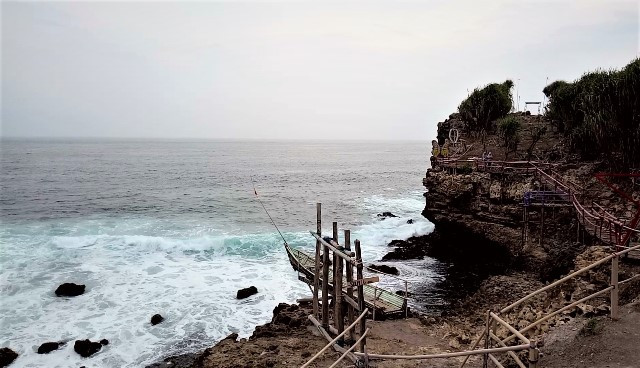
x: 386, y: 269
x: 86, y: 348
x: 384, y: 215
x: 247, y: 292
x: 48, y: 347
x: 156, y: 319
x: 70, y: 289
x: 410, y: 221
x: 7, y: 356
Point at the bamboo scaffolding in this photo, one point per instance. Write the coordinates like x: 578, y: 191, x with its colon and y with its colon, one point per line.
x: 350, y: 349
x: 509, y: 327
x: 495, y: 361
x: 511, y: 353
x: 331, y: 342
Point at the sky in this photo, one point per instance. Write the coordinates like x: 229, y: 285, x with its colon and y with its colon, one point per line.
x: 370, y: 70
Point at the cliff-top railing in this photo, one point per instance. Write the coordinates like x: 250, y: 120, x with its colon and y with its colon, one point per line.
x: 594, y: 219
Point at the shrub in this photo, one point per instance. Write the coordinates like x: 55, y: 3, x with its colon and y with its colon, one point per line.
x: 508, y: 129
x: 600, y: 112
x: 483, y: 106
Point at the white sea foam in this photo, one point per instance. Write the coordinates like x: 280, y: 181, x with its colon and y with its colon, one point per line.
x: 134, y: 268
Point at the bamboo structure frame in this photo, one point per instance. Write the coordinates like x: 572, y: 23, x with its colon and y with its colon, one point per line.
x: 449, y: 355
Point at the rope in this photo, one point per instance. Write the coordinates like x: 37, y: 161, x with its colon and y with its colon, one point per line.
x: 265, y: 210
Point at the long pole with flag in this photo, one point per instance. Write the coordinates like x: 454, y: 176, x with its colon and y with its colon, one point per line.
x: 267, y: 212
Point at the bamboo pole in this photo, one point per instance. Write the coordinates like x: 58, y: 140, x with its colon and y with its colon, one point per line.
x: 548, y: 316
x: 614, y: 290
x: 334, y: 265
x: 449, y: 355
x: 513, y: 355
x: 534, y: 355
x: 346, y: 256
x: 350, y: 349
x: 337, y: 289
x: 495, y: 361
x: 485, y: 357
x: 570, y: 276
x: 509, y: 327
x: 325, y: 287
x: 347, y: 246
x: 363, y: 322
x: 331, y: 342
x: 316, y: 274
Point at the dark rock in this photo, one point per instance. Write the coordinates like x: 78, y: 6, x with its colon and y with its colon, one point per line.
x: 232, y: 337
x: 305, y: 354
x: 70, y: 289
x: 247, y: 292
x: 189, y: 360
x: 104, y: 342
x: 384, y: 215
x: 48, y: 347
x: 410, y: 221
x: 86, y: 348
x: 156, y: 319
x: 386, y: 269
x: 7, y: 356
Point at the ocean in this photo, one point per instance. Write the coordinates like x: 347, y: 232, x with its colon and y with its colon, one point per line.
x: 173, y: 227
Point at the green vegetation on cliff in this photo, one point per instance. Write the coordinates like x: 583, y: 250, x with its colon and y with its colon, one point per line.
x: 600, y: 113
x: 485, y: 105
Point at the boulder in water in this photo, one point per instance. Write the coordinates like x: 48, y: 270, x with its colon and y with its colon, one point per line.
x: 86, y: 348
x: 48, y: 347
x: 104, y: 342
x: 384, y: 215
x: 70, y: 289
x: 247, y: 292
x: 410, y: 221
x: 386, y: 269
x: 7, y: 356
x: 156, y: 319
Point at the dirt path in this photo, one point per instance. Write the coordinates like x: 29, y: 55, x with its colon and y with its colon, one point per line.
x: 596, y: 343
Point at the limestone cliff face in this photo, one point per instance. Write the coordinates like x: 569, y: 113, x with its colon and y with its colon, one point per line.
x: 488, y: 205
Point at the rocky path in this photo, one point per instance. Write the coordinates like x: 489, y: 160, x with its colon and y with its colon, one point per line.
x: 596, y: 343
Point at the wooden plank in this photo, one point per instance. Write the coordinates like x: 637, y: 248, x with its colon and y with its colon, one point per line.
x: 366, y: 280
x: 340, y: 253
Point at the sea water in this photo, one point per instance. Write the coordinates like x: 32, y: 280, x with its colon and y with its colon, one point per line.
x: 174, y: 227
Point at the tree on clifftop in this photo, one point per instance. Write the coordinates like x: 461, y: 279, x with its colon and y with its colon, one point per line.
x: 484, y: 106
x: 600, y: 113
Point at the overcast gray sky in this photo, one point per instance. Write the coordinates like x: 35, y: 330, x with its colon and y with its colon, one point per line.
x: 260, y: 69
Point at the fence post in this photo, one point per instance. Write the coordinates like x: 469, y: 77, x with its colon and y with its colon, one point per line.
x: 325, y: 287
x: 534, y: 355
x: 614, y: 291
x: 487, y: 339
x: 363, y: 321
x: 316, y: 274
x: 337, y: 294
x: 350, y: 317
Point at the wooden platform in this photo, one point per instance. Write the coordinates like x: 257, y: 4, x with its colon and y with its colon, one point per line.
x: 382, y: 301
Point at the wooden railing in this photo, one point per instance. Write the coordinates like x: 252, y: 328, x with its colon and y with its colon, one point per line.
x: 595, y: 220
x: 613, y: 289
